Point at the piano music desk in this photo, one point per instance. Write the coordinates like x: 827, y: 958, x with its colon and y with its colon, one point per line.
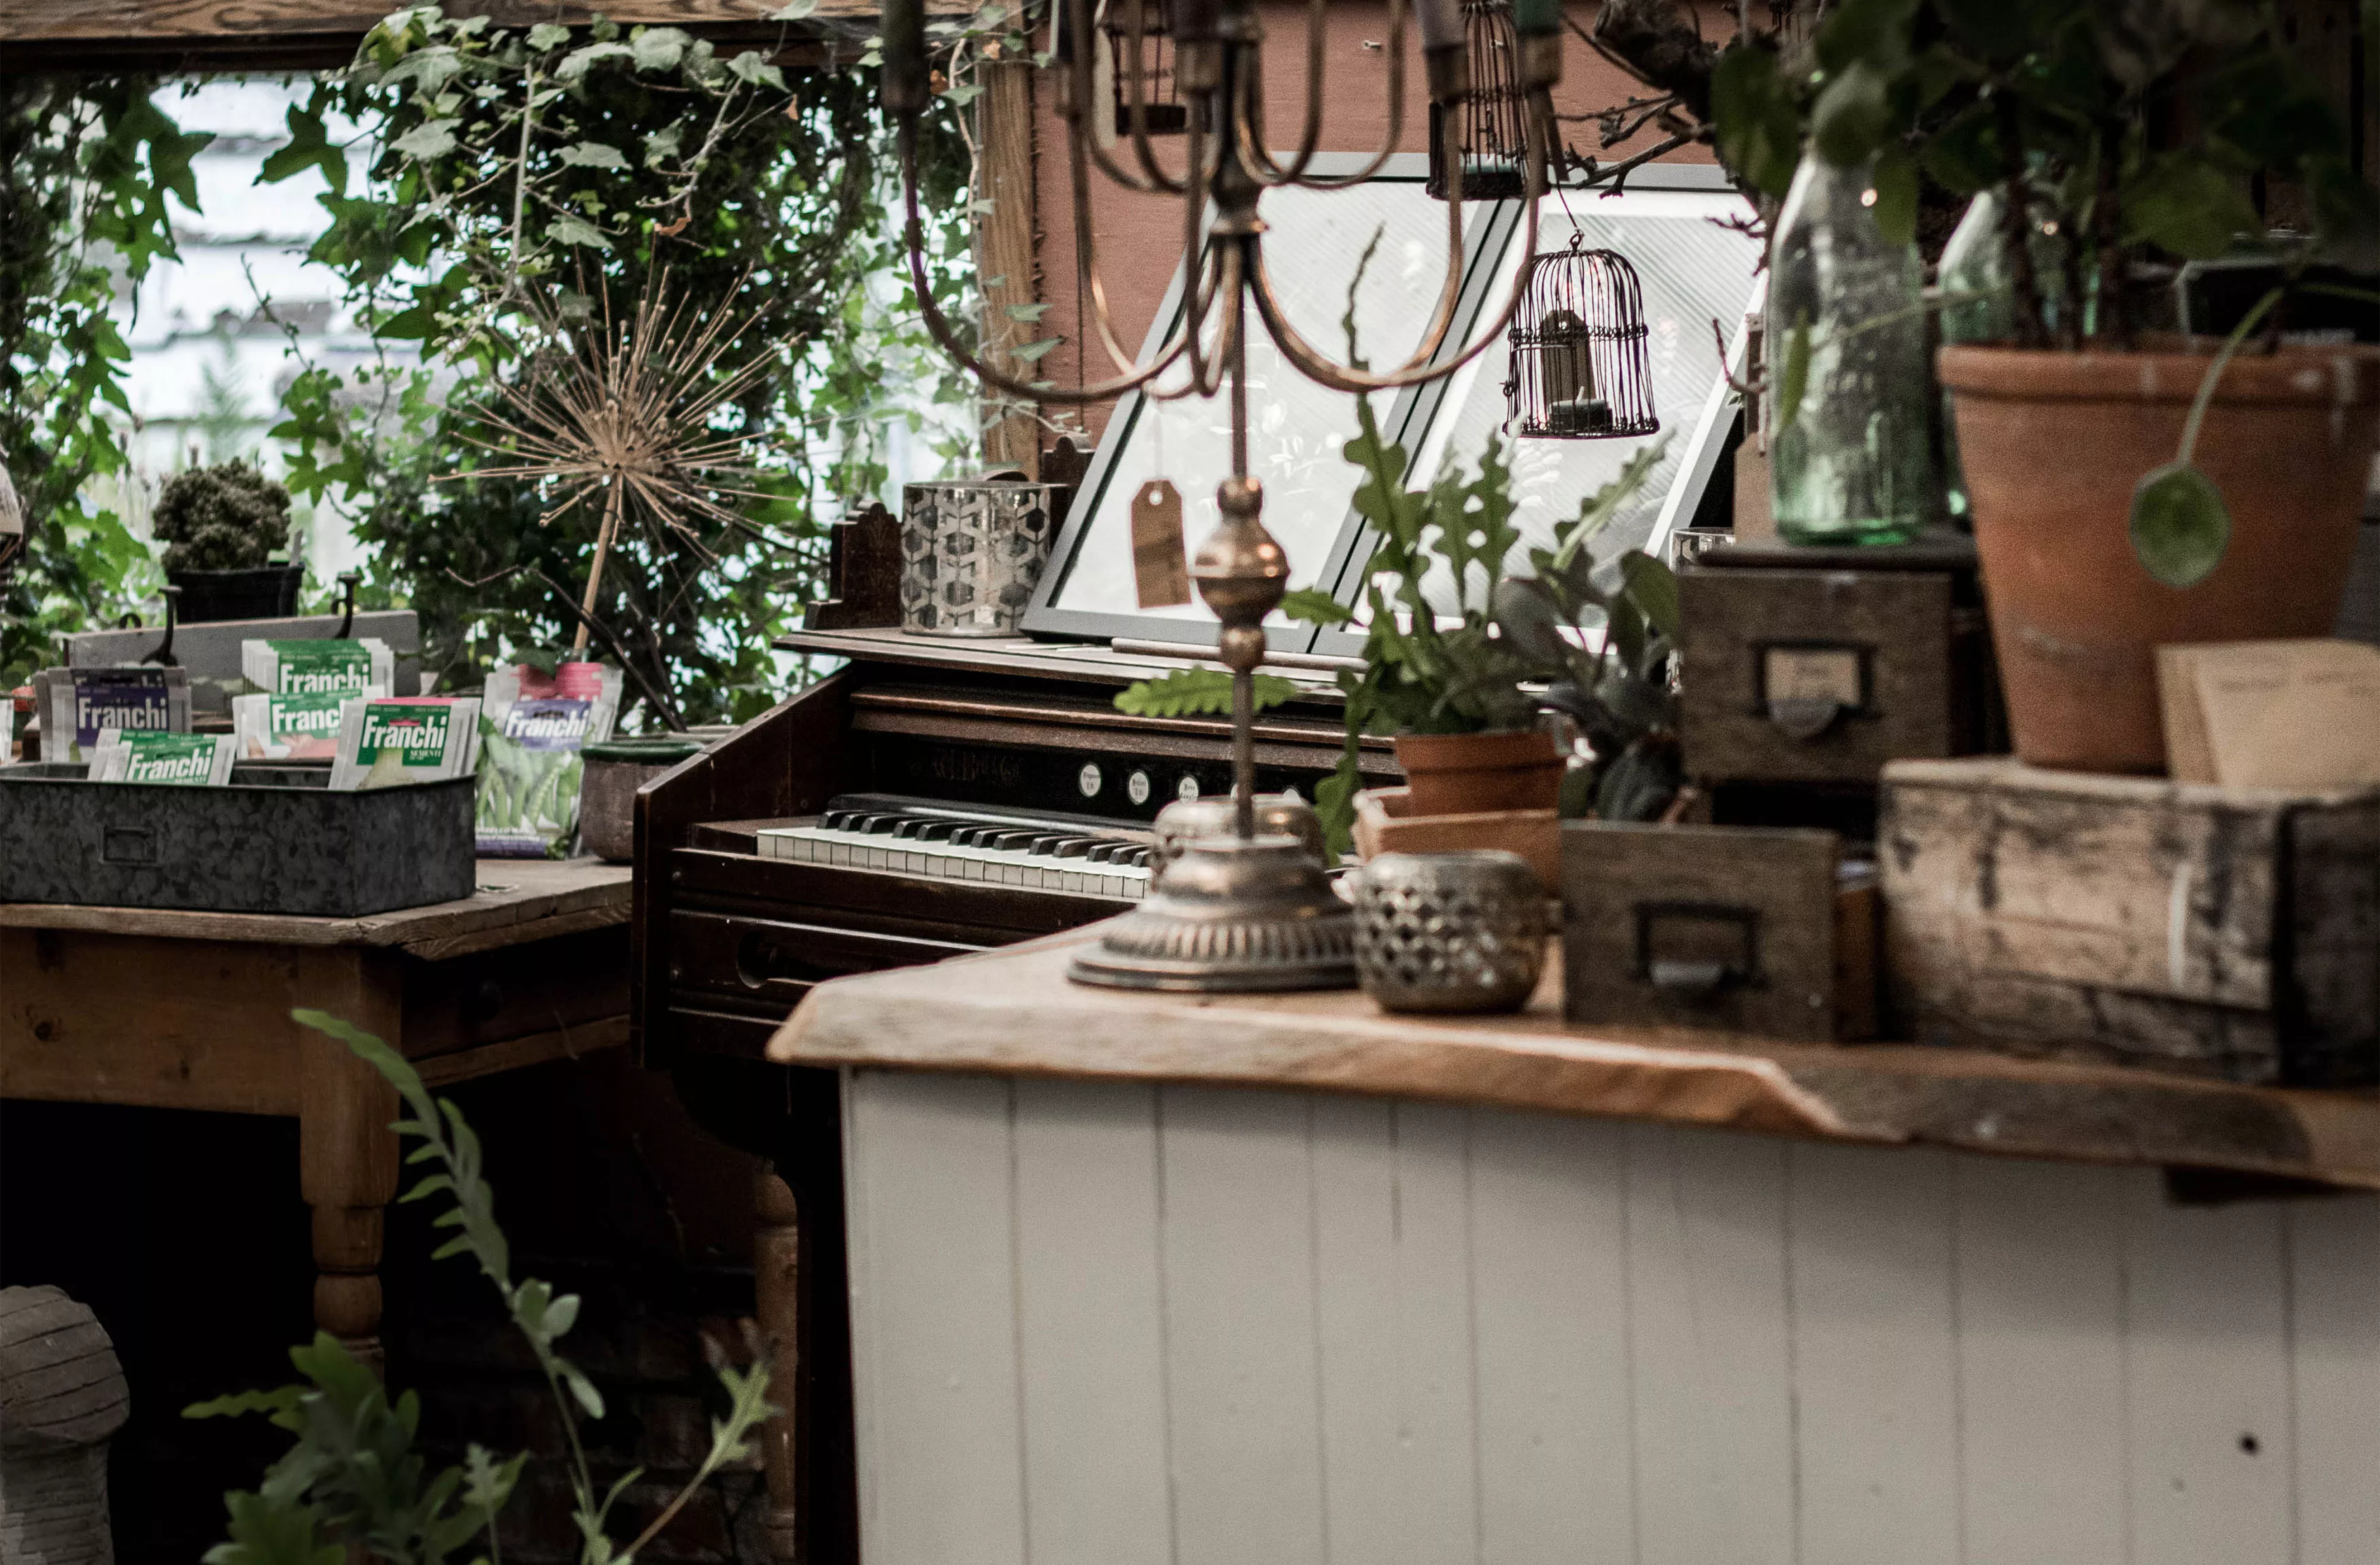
x: 184, y: 1010
x: 1147, y: 1280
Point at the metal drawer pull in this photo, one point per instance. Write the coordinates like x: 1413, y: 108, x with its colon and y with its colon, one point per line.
x: 1696, y: 951
x: 128, y: 845
x: 1803, y: 717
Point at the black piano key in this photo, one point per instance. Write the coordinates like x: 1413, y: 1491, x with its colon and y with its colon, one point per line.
x: 1074, y: 847
x: 936, y: 830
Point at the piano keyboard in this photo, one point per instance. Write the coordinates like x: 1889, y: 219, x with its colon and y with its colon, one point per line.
x: 902, y: 836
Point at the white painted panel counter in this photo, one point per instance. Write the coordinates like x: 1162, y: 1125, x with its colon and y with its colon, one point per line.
x: 1125, y: 1324
x: 1282, y: 1281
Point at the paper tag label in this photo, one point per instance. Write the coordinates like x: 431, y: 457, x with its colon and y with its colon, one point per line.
x: 1812, y: 674
x: 1159, y: 572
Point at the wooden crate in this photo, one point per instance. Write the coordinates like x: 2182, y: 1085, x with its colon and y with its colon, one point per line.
x: 1819, y: 665
x: 1384, y: 823
x: 2225, y: 932
x: 1737, y: 928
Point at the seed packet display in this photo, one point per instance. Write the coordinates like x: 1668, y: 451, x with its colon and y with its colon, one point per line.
x: 77, y: 703
x: 143, y: 754
x: 318, y: 667
x: 530, y: 766
x: 291, y: 727
x: 393, y: 741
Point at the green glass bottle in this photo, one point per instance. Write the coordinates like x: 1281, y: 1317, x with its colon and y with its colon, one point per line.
x: 1850, y: 461
x: 1978, y: 288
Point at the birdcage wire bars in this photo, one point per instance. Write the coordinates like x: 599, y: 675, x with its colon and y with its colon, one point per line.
x: 1142, y: 66
x: 1485, y: 129
x: 1580, y: 366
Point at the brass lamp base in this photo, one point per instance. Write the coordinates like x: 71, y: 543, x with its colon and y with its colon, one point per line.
x: 1230, y: 917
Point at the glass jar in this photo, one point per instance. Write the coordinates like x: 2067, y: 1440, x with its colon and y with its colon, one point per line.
x: 1854, y: 464
x: 1978, y: 298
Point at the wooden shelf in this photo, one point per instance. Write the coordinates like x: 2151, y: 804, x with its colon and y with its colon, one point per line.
x: 1013, y: 1013
x: 557, y: 897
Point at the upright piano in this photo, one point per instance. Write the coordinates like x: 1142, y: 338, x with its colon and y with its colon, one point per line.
x: 926, y: 799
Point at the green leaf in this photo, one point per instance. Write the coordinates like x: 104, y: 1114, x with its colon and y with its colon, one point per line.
x: 1654, y: 589
x: 431, y: 139
x: 2186, y: 204
x: 1311, y: 605
x: 1866, y: 32
x: 1757, y: 125
x: 593, y: 154
x: 575, y: 64
x: 568, y: 230
x: 1793, y: 372
x: 1895, y: 184
x: 548, y: 35
x: 1028, y: 312
x: 1530, y: 622
x: 797, y: 10
x: 1197, y: 692
x: 754, y: 69
x: 1850, y: 116
x: 658, y: 48
x: 582, y: 1390
x: 283, y: 1400
x: 1030, y: 352
x: 2180, y: 527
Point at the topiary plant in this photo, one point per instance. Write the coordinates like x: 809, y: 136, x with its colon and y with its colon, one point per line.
x: 228, y: 518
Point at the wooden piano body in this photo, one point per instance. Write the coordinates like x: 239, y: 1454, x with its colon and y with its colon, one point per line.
x: 727, y: 939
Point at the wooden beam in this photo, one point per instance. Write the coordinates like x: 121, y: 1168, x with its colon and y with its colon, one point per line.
x: 1005, y: 247
x: 39, y: 36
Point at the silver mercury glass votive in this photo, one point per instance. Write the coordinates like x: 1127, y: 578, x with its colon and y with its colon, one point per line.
x: 1449, y: 931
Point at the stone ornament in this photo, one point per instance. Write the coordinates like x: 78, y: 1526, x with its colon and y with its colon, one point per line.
x: 62, y: 1395
x: 1449, y: 931
x: 970, y: 553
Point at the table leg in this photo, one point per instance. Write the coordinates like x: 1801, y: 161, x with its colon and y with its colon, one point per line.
x: 776, y: 1272
x: 346, y: 1153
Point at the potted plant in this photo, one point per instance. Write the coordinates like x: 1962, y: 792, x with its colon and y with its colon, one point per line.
x: 226, y: 532
x: 2129, y: 489
x: 1460, y: 687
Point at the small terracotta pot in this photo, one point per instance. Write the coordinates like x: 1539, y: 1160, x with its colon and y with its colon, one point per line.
x: 2053, y: 445
x: 1462, y: 773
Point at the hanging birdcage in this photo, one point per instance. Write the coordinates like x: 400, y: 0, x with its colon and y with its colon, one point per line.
x: 1161, y: 114
x: 1580, y: 369
x: 1485, y: 128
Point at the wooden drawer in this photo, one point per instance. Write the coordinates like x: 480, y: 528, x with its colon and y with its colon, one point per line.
x: 779, y: 959
x: 1734, y: 927
x: 1791, y: 673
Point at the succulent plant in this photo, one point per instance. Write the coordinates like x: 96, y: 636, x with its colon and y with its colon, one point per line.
x: 227, y: 517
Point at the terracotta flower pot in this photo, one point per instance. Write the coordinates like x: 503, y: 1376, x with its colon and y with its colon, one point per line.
x: 2053, y: 445
x: 1459, y: 773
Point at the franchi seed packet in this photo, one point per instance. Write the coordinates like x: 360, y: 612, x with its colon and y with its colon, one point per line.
x: 76, y: 704
x: 296, y: 727
x: 318, y: 667
x: 142, y: 754
x: 395, y: 741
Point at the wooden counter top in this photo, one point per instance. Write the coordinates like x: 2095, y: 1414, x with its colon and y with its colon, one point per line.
x: 1013, y: 1011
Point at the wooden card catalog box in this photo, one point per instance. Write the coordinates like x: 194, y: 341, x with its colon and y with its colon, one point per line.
x: 1735, y: 928
x: 2223, y: 932
x: 1818, y: 665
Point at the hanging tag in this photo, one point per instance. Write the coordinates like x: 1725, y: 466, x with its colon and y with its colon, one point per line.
x: 1159, y: 572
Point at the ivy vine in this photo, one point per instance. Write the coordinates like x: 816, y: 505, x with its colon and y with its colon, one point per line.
x: 581, y: 162
x: 90, y: 171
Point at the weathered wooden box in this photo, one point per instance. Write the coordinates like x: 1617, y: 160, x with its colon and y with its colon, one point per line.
x: 1736, y: 928
x: 251, y: 847
x: 1385, y: 823
x: 2224, y: 932
x: 1819, y: 665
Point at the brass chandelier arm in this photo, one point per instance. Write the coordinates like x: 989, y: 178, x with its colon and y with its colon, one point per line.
x: 938, y: 327
x: 1230, y: 269
x: 1319, y: 367
x: 1260, y: 160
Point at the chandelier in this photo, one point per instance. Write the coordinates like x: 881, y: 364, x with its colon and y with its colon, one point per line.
x: 1244, y: 916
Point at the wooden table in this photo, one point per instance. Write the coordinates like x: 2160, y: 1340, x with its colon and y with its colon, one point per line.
x: 1140, y: 1280
x: 176, y: 1010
